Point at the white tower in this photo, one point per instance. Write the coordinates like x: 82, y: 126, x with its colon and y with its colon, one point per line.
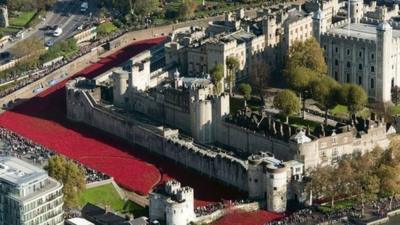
x: 384, y: 62
x: 319, y: 24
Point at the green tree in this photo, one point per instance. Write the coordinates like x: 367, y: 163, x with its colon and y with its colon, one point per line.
x: 389, y: 171
x: 70, y: 175
x: 326, y: 91
x: 245, y: 90
x: 32, y: 47
x: 259, y: 76
x: 354, y: 97
x: 299, y: 79
x: 217, y: 74
x: 366, y: 183
x: 309, y: 55
x: 288, y: 103
x: 187, y: 8
x: 145, y: 7
x: 232, y: 63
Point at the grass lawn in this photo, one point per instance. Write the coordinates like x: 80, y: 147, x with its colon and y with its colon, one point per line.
x: 107, y: 195
x: 22, y: 19
x: 341, y: 204
x: 300, y: 122
x: 395, y: 110
x: 8, y: 30
x: 341, y: 111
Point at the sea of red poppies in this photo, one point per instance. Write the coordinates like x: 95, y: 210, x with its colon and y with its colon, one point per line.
x: 42, y: 119
x: 247, y: 218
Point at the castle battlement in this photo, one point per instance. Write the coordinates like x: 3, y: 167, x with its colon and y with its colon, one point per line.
x: 338, y: 24
x: 345, y: 37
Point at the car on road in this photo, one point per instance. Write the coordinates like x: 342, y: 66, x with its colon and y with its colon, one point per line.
x: 5, y: 55
x: 49, y: 43
x: 65, y: 13
x: 57, y: 32
x: 84, y: 6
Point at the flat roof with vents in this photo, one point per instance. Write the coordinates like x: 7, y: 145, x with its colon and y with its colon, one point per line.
x: 18, y: 172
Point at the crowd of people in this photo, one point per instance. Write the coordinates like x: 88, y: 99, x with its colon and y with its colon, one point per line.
x: 17, y: 146
x: 374, y: 209
x: 208, y: 209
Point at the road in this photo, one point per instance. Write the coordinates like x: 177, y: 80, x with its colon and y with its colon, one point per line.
x: 66, y: 14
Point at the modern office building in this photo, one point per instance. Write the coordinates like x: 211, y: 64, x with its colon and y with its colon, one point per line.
x: 28, y: 196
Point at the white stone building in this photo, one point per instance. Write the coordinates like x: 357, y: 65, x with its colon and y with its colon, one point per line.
x: 198, y: 54
x: 364, y: 54
x: 172, y: 205
x: 28, y: 196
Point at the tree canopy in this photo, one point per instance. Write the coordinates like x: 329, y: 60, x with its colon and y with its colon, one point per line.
x: 326, y: 91
x: 70, y: 175
x: 232, y: 63
x: 287, y: 102
x: 31, y: 46
x: 259, y: 76
x: 354, y: 97
x: 369, y: 176
x: 186, y: 9
x: 245, y: 90
x: 217, y: 74
x: 307, y: 54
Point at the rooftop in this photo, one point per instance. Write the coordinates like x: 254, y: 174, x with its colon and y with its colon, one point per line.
x: 241, y: 36
x: 17, y: 172
x: 360, y: 30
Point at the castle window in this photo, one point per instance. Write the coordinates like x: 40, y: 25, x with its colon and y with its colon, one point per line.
x: 360, y: 54
x: 275, y: 188
x: 336, y: 49
x: 372, y: 56
x: 348, y: 64
x: 372, y: 83
x: 336, y: 76
x: 359, y: 80
x: 348, y: 51
x: 255, y: 180
x: 360, y: 66
x: 348, y: 78
x: 336, y: 62
x: 271, y: 176
x: 372, y: 69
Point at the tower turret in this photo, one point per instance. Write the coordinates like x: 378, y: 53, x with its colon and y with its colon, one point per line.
x: 384, y: 61
x: 356, y: 10
x: 319, y: 24
x: 120, y: 79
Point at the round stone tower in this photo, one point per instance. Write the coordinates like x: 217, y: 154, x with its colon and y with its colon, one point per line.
x: 255, y: 178
x: 120, y: 79
x: 276, y: 187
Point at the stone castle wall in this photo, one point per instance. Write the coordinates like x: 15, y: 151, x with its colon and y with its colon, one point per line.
x: 81, y: 107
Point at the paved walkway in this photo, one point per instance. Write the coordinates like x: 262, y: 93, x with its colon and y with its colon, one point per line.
x: 138, y: 199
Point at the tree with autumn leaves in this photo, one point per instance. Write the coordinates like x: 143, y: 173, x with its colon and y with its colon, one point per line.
x: 365, y: 177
